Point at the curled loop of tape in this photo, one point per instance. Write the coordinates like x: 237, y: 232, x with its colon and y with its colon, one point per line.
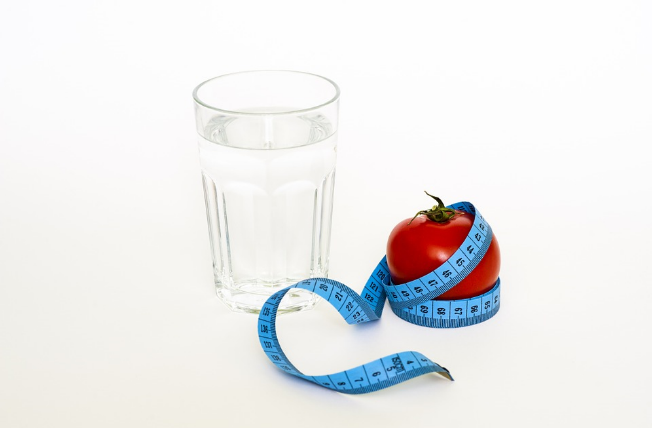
x: 412, y: 302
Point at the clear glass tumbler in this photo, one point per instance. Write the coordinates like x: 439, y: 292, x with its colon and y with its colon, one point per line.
x: 267, y: 147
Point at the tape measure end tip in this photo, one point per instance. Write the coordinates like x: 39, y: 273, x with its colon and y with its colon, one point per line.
x: 446, y: 374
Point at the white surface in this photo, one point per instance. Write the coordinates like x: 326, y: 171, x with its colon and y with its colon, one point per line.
x: 538, y: 112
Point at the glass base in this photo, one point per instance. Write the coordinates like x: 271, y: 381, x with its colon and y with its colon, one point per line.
x: 250, y: 297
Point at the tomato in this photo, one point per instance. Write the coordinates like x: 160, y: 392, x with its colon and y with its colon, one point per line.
x: 420, y: 245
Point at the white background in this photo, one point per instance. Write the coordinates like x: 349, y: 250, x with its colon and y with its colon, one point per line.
x: 537, y: 112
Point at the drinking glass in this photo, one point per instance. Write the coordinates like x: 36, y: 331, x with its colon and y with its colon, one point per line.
x: 267, y: 148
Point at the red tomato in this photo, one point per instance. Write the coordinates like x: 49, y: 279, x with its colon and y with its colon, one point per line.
x: 418, y: 246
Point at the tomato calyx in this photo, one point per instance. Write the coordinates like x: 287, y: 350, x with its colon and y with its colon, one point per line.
x: 438, y: 213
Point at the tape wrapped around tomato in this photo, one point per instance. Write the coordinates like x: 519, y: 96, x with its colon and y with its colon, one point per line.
x: 421, y: 244
x: 415, y: 250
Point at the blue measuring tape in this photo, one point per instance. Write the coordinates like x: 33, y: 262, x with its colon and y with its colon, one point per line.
x: 412, y: 301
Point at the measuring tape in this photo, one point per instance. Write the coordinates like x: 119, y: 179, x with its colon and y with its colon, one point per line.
x: 412, y: 301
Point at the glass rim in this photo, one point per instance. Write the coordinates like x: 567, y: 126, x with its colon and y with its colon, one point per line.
x: 276, y: 113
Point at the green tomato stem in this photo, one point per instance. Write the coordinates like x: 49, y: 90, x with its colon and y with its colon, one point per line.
x: 438, y: 213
